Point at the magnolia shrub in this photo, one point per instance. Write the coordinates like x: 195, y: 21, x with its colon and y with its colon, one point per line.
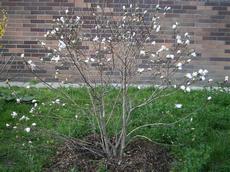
x: 121, y: 51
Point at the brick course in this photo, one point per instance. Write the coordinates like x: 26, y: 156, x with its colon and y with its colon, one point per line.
x: 208, y: 22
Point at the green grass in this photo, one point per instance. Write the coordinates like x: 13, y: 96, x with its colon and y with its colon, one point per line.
x: 198, y: 144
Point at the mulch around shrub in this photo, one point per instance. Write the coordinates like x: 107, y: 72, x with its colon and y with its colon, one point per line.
x: 140, y: 155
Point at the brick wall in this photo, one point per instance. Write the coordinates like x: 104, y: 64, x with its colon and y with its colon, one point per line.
x: 207, y: 21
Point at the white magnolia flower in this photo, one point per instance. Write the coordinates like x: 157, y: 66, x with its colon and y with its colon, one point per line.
x: 140, y: 70
x: 200, y: 71
x: 32, y: 65
x: 142, y: 53
x: 56, y: 59
x: 163, y: 48
x: 178, y: 106
x: 27, y: 129
x: 57, y: 101
x: 205, y: 72
x: 92, y: 59
x: 153, y: 43
x: 202, y: 78
x: 194, y: 74
x: 178, y: 52
x: 30, y: 61
x: 76, y: 116
x: 34, y: 101
x: 7, y: 125
x: 43, y: 43
x: 97, y: 27
x: 78, y: 19
x: 182, y: 87
x: 174, y: 26
x: 179, y: 65
x: 187, y: 42
x: 158, y: 7
x: 167, y: 8
x: 53, y: 32
x: 14, y: 114
x: 47, y: 34
x: 147, y: 39
x: 189, y: 60
x: 66, y: 11
x: 189, y: 75
x: 33, y: 124
x: 95, y: 39
x: 103, y: 40
x: 153, y: 55
x: 193, y: 54
x: 209, y: 98
x: 24, y: 118
x: 109, y: 59
x: 188, y: 89
x: 210, y: 80
x: 134, y: 33
x: 62, y: 19
x: 61, y: 45
x: 18, y: 100
x: 14, y: 127
x: 226, y: 78
x: 158, y: 28
x: 22, y: 55
x: 87, y: 60
x: 170, y: 56
x: 178, y: 39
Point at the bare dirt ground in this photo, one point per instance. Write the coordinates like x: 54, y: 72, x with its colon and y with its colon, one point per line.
x: 140, y: 155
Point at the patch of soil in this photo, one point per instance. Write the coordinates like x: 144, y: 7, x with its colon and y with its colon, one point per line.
x: 140, y: 155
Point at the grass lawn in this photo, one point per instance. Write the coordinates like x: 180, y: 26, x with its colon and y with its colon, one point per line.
x: 198, y: 143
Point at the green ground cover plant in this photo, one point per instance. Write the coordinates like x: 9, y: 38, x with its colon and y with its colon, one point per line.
x: 199, y: 142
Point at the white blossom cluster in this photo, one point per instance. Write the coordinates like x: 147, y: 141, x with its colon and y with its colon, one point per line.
x: 135, y: 31
x: 65, y: 30
x: 21, y: 120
